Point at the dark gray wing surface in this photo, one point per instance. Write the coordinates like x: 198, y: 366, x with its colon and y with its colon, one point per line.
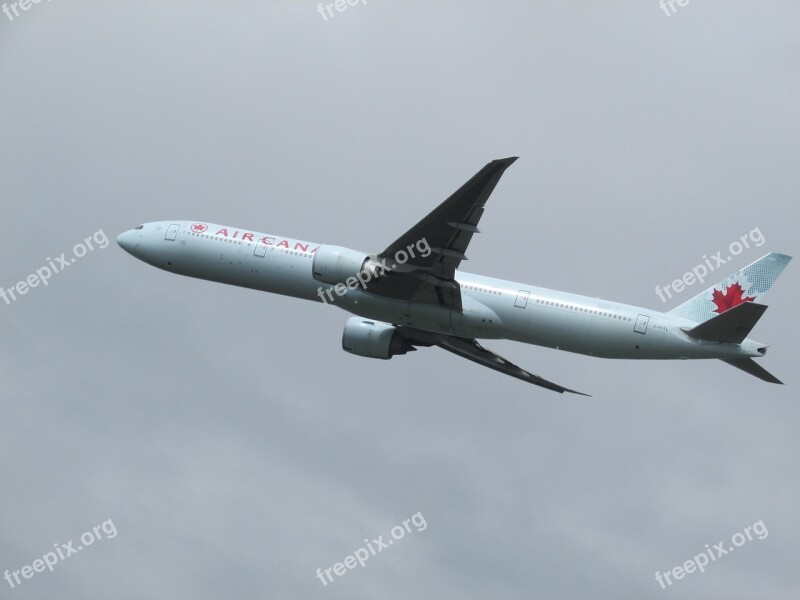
x: 471, y: 350
x: 447, y: 230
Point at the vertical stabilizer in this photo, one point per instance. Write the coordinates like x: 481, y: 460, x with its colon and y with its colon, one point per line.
x: 748, y: 285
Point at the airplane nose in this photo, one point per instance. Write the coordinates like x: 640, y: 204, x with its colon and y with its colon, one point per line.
x: 127, y: 241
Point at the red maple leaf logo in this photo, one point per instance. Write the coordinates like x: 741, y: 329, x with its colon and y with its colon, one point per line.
x: 199, y: 228
x: 734, y: 297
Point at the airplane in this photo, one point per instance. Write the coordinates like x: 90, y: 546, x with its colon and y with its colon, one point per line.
x: 412, y: 294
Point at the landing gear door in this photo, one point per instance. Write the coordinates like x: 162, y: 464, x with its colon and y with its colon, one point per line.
x: 641, y: 324
x: 172, y: 232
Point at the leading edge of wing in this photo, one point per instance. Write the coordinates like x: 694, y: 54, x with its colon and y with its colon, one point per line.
x: 471, y: 350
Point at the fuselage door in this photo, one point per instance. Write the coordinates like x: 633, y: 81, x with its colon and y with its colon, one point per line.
x: 522, y: 299
x: 641, y: 324
x: 172, y: 232
x: 261, y: 249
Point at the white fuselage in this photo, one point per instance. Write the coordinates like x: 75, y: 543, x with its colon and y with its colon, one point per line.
x: 492, y: 308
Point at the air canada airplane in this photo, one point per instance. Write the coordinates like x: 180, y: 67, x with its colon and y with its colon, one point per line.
x: 412, y: 294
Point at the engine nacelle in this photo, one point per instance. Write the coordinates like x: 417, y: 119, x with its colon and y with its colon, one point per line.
x: 335, y: 264
x: 373, y: 339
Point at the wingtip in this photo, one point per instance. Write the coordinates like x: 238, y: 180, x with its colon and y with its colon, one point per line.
x: 576, y: 392
x: 504, y: 162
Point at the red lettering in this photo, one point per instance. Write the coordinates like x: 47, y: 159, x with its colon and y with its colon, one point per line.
x: 247, y: 236
x: 267, y: 240
x: 223, y: 232
x: 283, y: 243
x: 299, y: 246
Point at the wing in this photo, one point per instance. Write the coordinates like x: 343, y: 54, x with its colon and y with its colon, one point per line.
x: 471, y: 350
x: 446, y: 231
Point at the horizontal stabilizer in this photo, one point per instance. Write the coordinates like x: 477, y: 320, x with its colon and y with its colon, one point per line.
x: 732, y: 326
x: 748, y: 365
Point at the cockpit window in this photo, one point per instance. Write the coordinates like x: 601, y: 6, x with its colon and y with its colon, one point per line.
x: 139, y: 227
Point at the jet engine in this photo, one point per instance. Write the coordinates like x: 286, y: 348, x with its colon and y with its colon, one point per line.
x: 373, y: 339
x: 335, y: 264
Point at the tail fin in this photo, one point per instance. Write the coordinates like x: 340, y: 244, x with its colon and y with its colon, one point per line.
x: 748, y: 285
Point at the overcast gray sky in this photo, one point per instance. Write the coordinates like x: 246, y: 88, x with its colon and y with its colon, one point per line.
x: 232, y: 443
